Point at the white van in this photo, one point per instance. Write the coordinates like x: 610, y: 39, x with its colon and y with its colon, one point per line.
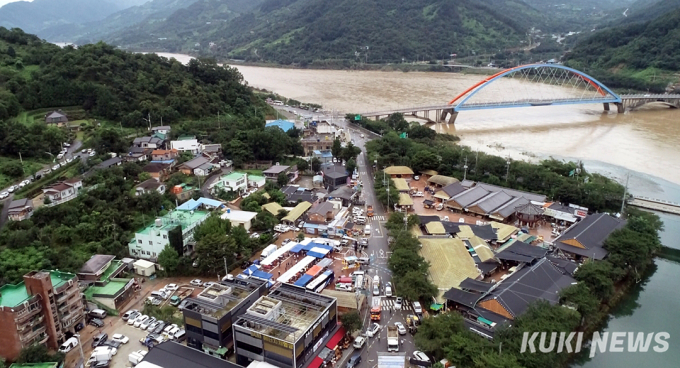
x: 68, y: 345
x: 359, y: 282
x: 159, y: 294
x: 367, y: 230
x: 266, y: 252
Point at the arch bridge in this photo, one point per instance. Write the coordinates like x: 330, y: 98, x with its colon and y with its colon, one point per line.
x: 530, y: 85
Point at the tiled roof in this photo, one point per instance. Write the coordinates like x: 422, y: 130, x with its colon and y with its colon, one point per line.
x: 591, y: 232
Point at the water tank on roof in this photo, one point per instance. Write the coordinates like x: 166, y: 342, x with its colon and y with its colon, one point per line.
x: 159, y: 222
x: 228, y: 210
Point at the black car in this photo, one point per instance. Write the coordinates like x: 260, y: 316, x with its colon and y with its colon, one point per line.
x: 354, y: 360
x: 100, y: 339
x: 101, y: 364
x: 79, y: 326
x: 96, y: 322
x: 111, y: 343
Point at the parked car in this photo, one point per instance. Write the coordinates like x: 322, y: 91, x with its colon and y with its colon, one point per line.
x: 373, y: 330
x: 120, y: 338
x: 196, y: 282
x: 355, y: 359
x: 400, y: 327
x: 127, y: 314
x: 68, y: 345
x: 92, y: 153
x: 168, y: 328
x: 133, y: 317
x: 388, y: 289
x: 419, y: 355
x: 153, y: 326
x: 144, y: 325
x: 208, y: 284
x: 4, y: 195
x: 79, y: 326
x: 254, y: 236
x: 175, y: 300
x: 419, y: 194
x: 140, y: 320
x: 96, y: 322
x: 56, y: 166
x: 359, y: 342
x: 397, y: 303
x: 113, y: 344
x: 12, y: 188
x: 171, y: 287
x: 99, y: 339
x: 159, y: 328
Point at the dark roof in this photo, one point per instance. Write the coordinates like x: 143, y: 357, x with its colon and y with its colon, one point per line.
x: 486, y: 267
x: 141, y: 140
x: 557, y: 206
x: 522, y: 252
x: 470, y: 196
x: 108, y: 163
x: 276, y: 169
x: 428, y: 202
x: 135, y: 149
x: 322, y: 208
x: 195, y: 163
x: 170, y: 354
x: 475, y: 285
x: 96, y: 263
x: 451, y: 227
x: 162, y: 127
x: 335, y: 171
x: 454, y: 189
x: 513, y: 192
x: 509, y: 208
x: 424, y: 220
x: 343, y: 192
x: 542, y: 281
x: 591, y: 232
x: 566, y: 266
x: 529, y: 209
x: 20, y: 203
x: 485, y: 232
x: 493, y: 201
x: 462, y: 297
x: 155, y: 167
x: 149, y: 184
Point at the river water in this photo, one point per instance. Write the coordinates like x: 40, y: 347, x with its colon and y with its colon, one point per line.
x: 641, y: 145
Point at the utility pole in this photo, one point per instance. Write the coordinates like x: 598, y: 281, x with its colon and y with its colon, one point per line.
x: 149, y: 121
x: 226, y: 272
x: 465, y: 167
x: 507, y: 169
x: 20, y: 159
x: 625, y: 193
x: 218, y: 120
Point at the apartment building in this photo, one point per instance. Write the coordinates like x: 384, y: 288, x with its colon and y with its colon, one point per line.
x: 39, y: 310
x: 150, y: 241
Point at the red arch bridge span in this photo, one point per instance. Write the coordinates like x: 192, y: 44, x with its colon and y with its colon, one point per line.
x: 531, y: 85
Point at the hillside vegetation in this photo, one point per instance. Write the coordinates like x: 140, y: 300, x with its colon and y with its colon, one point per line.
x: 634, y: 56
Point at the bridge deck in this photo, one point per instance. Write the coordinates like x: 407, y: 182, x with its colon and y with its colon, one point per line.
x: 656, y: 205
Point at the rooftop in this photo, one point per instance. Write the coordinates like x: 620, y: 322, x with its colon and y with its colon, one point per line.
x: 14, y: 295
x: 111, y: 288
x: 236, y: 215
x: 401, y: 184
x: 442, y: 180
x: 276, y: 169
x: 296, y: 212
x: 219, y: 299
x: 292, y: 312
x: 398, y: 170
x: 450, y: 262
x: 171, y: 354
x: 405, y: 199
x: 587, y: 236
x: 272, y: 207
x: 174, y: 218
x: 96, y: 263
x: 285, y: 125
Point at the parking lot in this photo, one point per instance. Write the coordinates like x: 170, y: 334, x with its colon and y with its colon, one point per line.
x: 120, y: 360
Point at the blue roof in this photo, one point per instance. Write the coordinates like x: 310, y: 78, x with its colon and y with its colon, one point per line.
x: 304, y: 280
x: 162, y: 161
x: 313, y: 245
x: 297, y: 248
x: 317, y: 254
x: 251, y: 269
x: 285, y: 125
x: 192, y: 204
x: 323, y: 154
x: 262, y: 275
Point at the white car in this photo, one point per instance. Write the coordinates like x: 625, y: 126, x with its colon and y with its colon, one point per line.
x: 359, y: 342
x: 4, y: 195
x: 56, y: 166
x: 419, y: 355
x: 21, y: 185
x: 126, y: 316
x: 68, y: 345
x: 388, y: 289
x: 419, y: 194
x: 146, y: 323
x: 343, y: 287
x: 168, y: 328
x: 60, y: 156
x: 92, y: 153
x: 66, y: 144
x: 400, y: 327
x: 140, y: 320
x: 416, y: 177
x: 26, y: 182
x: 69, y: 160
x: 120, y: 338
x: 196, y: 282
x: 397, y: 303
x: 171, y: 287
x: 373, y: 330
x: 12, y: 188
x: 281, y: 228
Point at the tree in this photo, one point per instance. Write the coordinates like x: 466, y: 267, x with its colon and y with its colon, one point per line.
x: 336, y: 148
x: 38, y: 353
x: 316, y: 165
x: 302, y: 165
x: 397, y: 122
x: 143, y: 176
x: 211, y: 251
x: 350, y: 152
x: 435, y: 333
x: 212, y: 225
x: 580, y: 295
x: 598, y: 277
x: 404, y: 261
x: 13, y: 169
x: 169, y: 259
x: 421, y: 132
x: 11, y: 52
x: 282, y: 179
x: 264, y: 221
x: 415, y: 285
x: 300, y: 236
x: 350, y: 166
x: 351, y: 321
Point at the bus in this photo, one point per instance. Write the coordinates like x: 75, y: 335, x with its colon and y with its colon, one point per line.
x: 321, y: 282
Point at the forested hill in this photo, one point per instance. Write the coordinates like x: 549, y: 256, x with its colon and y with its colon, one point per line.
x: 628, y: 56
x: 301, y: 31
x: 114, y: 84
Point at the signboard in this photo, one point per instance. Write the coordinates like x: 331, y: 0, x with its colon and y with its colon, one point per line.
x: 580, y: 213
x: 357, y: 118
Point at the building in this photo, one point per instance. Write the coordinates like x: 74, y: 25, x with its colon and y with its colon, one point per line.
x: 239, y: 218
x: 171, y: 354
x: 62, y: 191
x: 296, y: 213
x: 113, y: 161
x: 144, y: 268
x: 296, y: 194
x: 95, y: 268
x: 150, y: 241
x: 208, y: 317
x: 56, y: 117
x: 137, y: 154
x: 284, y: 125
x: 334, y: 176
x: 214, y: 150
x: 39, y: 310
x: 163, y: 129
x: 148, y: 142
x: 344, y: 193
x: 106, y: 282
x: 158, y: 171
x: 273, y: 172
x: 450, y: 261
x: 196, y: 166
x: 317, y: 142
x: 449, y: 192
x: 273, y: 208
x: 491, y: 201
x: 186, y: 144
x: 20, y: 209
x: 164, y: 155
x: 441, y: 181
x: 284, y: 328
x: 324, y: 156
x: 323, y: 213
x: 238, y: 182
x: 399, y: 172
x: 585, y: 239
x: 150, y: 186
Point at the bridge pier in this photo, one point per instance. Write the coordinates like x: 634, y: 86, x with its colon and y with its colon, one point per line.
x: 454, y: 115
x: 606, y: 106
x: 619, y: 107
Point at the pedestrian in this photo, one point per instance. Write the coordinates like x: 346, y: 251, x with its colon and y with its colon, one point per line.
x: 279, y: 272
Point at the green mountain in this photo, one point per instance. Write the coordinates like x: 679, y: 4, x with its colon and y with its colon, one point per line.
x: 302, y: 31
x: 91, y: 32
x: 35, y: 16
x: 634, y: 55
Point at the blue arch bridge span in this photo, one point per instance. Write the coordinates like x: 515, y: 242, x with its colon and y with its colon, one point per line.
x: 577, y: 88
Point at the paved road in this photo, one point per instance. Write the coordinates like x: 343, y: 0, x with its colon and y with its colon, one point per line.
x: 205, y: 187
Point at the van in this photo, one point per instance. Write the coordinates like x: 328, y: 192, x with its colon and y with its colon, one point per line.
x: 367, y: 230
x: 181, y: 335
x: 363, y: 260
x: 355, y: 359
x: 68, y: 345
x: 266, y: 252
x: 98, y: 313
x: 360, y: 220
x: 359, y: 282
x: 418, y: 309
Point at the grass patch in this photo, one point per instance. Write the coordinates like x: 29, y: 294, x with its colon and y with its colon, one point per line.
x: 30, y: 166
x: 252, y: 172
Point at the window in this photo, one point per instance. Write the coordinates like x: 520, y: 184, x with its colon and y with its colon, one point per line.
x: 154, y: 254
x: 150, y: 242
x: 139, y: 241
x: 165, y: 236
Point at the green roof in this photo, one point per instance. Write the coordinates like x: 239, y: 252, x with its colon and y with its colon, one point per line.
x: 174, y: 218
x: 14, y: 295
x: 112, y: 267
x: 233, y: 176
x: 35, y: 365
x: 111, y: 288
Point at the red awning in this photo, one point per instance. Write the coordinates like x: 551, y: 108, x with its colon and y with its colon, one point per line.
x: 316, y: 363
x: 345, y: 280
x: 314, y: 270
x: 333, y: 342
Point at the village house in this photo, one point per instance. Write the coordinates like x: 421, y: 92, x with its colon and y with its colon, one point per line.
x: 199, y: 166
x: 158, y: 171
x: 56, y: 117
x: 585, y: 239
x: 186, y: 144
x: 273, y: 172
x: 163, y: 129
x: 404, y: 172
x: 20, y: 209
x: 113, y: 161
x: 164, y: 155
x: 150, y: 186
x: 137, y: 154
x: 148, y: 142
x: 62, y: 191
x: 323, y: 213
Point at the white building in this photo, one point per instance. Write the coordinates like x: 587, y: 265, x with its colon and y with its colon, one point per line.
x: 163, y: 129
x: 186, y: 144
x: 237, y: 182
x: 239, y: 218
x: 150, y: 241
x: 63, y: 191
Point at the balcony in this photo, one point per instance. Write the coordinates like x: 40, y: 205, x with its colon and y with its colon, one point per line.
x: 29, y: 324
x: 67, y: 294
x: 27, y: 313
x: 32, y: 334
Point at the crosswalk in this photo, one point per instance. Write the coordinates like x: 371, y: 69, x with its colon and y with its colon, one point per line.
x: 389, y: 304
x: 379, y: 218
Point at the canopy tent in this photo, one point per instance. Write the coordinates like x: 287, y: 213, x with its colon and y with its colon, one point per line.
x: 351, y: 259
x: 314, y: 270
x: 325, y: 262
x: 297, y: 248
x: 318, y: 252
x: 277, y: 253
x: 298, y: 267
x: 312, y: 245
x: 302, y: 281
x: 249, y: 271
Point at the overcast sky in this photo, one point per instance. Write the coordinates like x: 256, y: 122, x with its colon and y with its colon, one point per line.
x: 3, y: 2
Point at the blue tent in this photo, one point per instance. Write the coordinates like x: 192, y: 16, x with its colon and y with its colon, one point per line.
x: 303, y: 281
x: 262, y: 275
x: 297, y: 248
x: 251, y: 269
x: 316, y: 245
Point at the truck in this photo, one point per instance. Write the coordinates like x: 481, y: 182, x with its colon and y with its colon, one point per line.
x: 100, y: 354
x: 266, y: 252
x: 376, y: 285
x: 376, y: 308
x: 136, y: 356
x: 369, y: 211
x: 392, y: 339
